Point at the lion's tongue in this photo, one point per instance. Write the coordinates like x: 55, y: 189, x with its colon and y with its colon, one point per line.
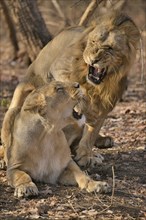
x: 96, y: 72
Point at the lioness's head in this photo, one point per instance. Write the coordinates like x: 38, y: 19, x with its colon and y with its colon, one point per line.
x: 55, y: 100
x: 110, y: 46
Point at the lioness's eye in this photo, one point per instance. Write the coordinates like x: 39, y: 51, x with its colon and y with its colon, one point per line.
x: 107, y: 47
x: 59, y: 89
x: 110, y: 48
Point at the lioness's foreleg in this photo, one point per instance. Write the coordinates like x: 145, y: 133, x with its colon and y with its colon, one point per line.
x: 73, y: 176
x: 22, y: 183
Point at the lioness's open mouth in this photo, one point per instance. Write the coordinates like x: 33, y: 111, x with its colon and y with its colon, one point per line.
x: 96, y: 75
x: 77, y: 115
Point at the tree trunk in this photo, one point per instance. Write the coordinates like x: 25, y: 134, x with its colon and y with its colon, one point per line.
x: 30, y: 25
x: 11, y: 27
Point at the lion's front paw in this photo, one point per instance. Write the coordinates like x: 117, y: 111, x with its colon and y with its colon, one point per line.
x: 96, y: 160
x: 86, y: 158
x: 25, y: 190
x: 83, y: 157
x: 98, y: 186
x: 104, y: 142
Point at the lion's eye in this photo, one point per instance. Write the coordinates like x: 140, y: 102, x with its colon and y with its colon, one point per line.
x: 103, y: 35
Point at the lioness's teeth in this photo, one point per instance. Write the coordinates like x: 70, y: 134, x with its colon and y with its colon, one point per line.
x: 77, y: 109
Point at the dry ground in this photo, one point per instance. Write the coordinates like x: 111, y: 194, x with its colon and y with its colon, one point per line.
x: 126, y: 124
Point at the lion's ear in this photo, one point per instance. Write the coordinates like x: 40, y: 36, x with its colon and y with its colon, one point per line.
x: 122, y: 18
x: 35, y: 102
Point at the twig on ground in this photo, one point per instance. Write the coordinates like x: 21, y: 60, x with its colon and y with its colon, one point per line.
x: 112, y: 196
x: 89, y: 10
x: 142, y: 55
x: 113, y: 187
x: 71, y: 205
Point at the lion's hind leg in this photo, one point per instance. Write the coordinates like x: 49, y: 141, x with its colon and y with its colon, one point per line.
x: 22, y: 183
x: 73, y: 176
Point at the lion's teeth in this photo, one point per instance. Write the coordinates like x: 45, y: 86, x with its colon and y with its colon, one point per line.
x: 103, y: 70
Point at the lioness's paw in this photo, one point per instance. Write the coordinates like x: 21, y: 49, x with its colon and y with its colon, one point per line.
x: 104, y: 142
x: 25, y: 190
x: 98, y: 186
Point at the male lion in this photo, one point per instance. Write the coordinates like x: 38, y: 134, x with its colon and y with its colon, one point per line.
x: 99, y: 57
x: 37, y: 148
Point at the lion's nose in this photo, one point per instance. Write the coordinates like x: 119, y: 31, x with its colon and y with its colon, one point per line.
x: 76, y: 85
x: 96, y: 61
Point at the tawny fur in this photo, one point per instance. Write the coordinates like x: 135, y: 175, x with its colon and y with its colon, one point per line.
x: 37, y: 149
x: 112, y: 42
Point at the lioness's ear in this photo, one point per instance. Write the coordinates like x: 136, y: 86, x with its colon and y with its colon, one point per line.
x: 35, y: 102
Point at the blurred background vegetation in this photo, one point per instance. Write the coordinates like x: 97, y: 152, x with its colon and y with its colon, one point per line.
x: 29, y: 25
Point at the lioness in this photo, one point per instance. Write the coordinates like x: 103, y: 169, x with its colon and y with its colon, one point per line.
x: 99, y: 57
x: 37, y: 148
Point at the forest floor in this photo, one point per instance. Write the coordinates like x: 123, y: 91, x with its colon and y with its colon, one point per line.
x: 126, y: 124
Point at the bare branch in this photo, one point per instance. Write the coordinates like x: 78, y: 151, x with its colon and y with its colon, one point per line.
x: 89, y: 10
x: 12, y: 30
x: 117, y: 5
x: 58, y: 9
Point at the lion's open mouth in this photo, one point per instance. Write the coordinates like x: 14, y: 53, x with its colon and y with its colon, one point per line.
x: 96, y: 75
